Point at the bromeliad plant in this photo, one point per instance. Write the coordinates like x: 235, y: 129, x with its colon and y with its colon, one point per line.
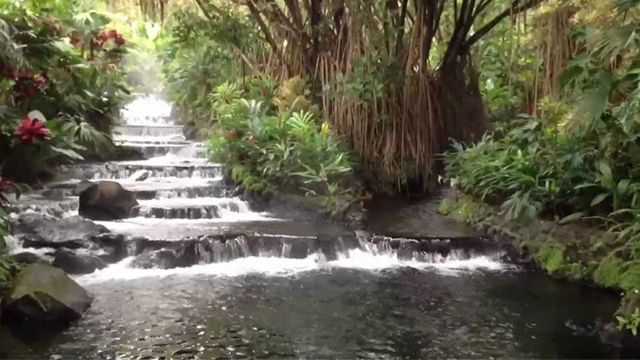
x: 268, y: 151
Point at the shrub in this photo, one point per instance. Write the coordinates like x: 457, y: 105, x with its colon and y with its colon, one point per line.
x: 267, y: 151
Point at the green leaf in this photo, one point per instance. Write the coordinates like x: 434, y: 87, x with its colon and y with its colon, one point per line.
x: 631, y: 277
x: 599, y: 198
x: 608, y: 272
x: 594, y: 101
x: 68, y: 153
x: 572, y: 217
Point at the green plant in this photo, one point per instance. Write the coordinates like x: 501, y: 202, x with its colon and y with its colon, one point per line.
x: 630, y: 323
x: 268, y: 150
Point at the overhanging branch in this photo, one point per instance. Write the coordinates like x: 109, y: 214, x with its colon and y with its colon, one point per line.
x: 514, y: 9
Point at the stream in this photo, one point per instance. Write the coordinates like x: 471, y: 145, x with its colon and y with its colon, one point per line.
x: 293, y: 286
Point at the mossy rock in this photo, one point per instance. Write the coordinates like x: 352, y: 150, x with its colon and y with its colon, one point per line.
x: 44, y: 294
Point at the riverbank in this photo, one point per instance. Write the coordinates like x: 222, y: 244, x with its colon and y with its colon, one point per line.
x: 574, y: 252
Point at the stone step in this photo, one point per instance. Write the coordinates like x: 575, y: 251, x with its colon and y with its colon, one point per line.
x: 176, y: 229
x: 125, y: 169
x: 125, y: 139
x: 193, y: 208
x: 150, y: 150
x: 155, y: 141
x: 188, y: 251
x: 61, y: 199
x: 146, y: 130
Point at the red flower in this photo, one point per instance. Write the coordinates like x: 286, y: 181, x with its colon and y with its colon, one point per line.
x: 230, y: 135
x: 30, y: 129
x: 102, y: 38
x: 119, y: 40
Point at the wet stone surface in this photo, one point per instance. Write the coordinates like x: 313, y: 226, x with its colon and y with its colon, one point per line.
x: 333, y: 313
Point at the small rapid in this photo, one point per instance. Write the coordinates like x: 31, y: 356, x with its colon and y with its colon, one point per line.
x: 356, y: 259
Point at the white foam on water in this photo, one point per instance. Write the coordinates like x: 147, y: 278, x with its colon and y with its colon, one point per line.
x: 171, y: 160
x: 131, y: 224
x: 370, y: 260
x: 148, y: 139
x: 200, y: 201
x: 276, y: 266
x: 270, y: 266
x: 167, y: 183
x: 147, y: 110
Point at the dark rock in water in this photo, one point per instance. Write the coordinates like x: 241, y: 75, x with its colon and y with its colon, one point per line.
x: 190, y: 132
x: 47, y: 295
x: 162, y: 259
x: 106, y: 200
x: 113, y: 245
x: 38, y: 230
x: 73, y: 263
x: 28, y: 258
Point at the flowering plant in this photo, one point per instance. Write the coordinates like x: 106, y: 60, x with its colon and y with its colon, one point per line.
x: 30, y: 130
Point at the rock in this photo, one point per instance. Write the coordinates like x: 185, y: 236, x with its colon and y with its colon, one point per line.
x: 162, y: 259
x: 47, y: 295
x: 38, y: 231
x: 73, y: 263
x: 106, y: 200
x: 28, y: 258
x: 140, y: 175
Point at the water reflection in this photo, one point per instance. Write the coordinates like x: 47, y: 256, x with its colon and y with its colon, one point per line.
x: 336, y: 313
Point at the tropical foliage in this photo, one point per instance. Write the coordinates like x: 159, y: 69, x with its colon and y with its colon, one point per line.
x: 202, y: 53
x: 64, y: 68
x: 572, y: 162
x: 273, y: 149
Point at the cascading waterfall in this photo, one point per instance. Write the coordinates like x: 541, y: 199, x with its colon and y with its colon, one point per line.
x: 183, y: 197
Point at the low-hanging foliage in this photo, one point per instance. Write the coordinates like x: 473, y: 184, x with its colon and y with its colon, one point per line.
x: 267, y: 150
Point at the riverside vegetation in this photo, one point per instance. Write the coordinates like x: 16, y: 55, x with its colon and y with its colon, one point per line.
x: 574, y: 160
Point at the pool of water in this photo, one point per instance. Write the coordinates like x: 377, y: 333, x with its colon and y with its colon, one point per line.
x: 329, y: 312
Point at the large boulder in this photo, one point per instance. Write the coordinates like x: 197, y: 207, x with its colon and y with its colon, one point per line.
x: 38, y: 231
x: 44, y: 294
x: 106, y: 200
x: 73, y: 263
